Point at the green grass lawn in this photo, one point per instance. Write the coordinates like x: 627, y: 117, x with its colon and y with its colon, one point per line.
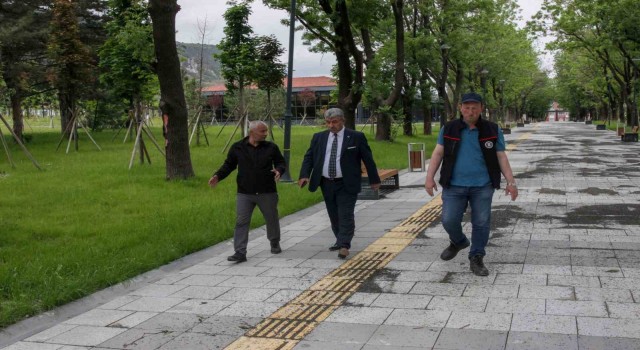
x: 87, y: 222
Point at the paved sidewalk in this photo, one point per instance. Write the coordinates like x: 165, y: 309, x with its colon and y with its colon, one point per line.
x: 564, y: 261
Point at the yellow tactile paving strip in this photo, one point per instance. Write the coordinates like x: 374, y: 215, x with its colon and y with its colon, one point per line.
x: 283, y: 329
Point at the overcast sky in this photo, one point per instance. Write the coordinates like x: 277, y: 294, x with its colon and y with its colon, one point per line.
x: 265, y: 21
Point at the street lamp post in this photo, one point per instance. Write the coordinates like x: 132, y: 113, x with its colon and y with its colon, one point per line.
x: 444, y: 48
x: 483, y: 83
x: 286, y: 177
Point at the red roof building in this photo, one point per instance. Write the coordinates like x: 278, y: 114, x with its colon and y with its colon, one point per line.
x: 321, y: 83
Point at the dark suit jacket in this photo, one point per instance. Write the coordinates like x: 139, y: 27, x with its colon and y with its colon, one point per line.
x: 354, y: 149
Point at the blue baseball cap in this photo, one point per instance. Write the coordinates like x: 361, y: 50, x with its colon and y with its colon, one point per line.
x: 471, y: 97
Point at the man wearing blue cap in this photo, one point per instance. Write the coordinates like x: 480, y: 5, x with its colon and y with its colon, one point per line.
x: 472, y: 153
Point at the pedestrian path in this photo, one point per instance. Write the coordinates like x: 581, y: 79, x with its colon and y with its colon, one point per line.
x: 564, y: 261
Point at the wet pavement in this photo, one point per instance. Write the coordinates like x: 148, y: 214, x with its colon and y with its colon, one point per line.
x: 564, y: 261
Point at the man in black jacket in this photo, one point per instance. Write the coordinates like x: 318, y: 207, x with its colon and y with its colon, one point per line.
x: 332, y: 163
x: 260, y: 165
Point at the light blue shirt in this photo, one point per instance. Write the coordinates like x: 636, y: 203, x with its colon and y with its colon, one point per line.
x: 470, y: 169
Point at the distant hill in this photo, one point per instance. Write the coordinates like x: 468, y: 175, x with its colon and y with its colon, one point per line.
x: 190, y: 57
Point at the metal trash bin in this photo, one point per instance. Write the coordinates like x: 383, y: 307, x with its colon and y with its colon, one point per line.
x: 416, y: 156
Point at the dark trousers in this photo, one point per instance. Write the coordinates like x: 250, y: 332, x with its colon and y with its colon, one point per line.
x: 340, y: 207
x: 245, y: 203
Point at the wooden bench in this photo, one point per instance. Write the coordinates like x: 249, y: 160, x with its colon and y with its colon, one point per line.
x: 389, y: 179
x: 631, y: 136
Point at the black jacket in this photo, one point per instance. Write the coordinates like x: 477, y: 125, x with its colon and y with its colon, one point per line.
x: 254, y: 166
x: 355, y: 149
x: 488, y: 138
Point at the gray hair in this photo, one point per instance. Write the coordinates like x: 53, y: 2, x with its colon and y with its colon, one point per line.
x: 255, y: 123
x: 333, y: 113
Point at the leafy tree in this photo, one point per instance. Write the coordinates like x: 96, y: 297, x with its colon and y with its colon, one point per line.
x: 238, y: 54
x: 271, y: 72
x: 127, y: 57
x: 23, y: 33
x: 72, y: 64
x: 172, y: 101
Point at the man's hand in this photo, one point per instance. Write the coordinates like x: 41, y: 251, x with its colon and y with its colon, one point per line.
x: 277, y: 174
x: 213, y: 181
x: 511, y: 190
x: 375, y: 187
x: 430, y: 186
x: 303, y: 182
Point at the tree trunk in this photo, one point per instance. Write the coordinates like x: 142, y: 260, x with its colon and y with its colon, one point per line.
x: 425, y: 95
x: 407, y: 106
x: 66, y: 112
x: 16, y: 112
x: 172, y: 101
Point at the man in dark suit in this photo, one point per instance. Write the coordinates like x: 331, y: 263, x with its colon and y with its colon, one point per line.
x: 332, y: 163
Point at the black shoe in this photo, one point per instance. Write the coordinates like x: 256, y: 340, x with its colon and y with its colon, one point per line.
x: 452, y: 250
x: 477, y: 266
x: 275, y: 248
x: 343, y: 253
x: 334, y: 247
x: 237, y: 257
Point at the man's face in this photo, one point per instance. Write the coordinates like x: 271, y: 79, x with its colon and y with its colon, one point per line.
x: 259, y: 134
x: 471, y: 111
x: 335, y: 124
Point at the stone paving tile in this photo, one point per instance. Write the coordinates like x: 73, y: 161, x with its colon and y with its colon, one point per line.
x: 140, y: 339
x: 574, y: 281
x: 361, y: 299
x: 200, y: 306
x: 201, y: 292
x: 547, y: 270
x: 444, y: 289
x: 33, y: 346
x: 480, y: 320
x: 158, y: 290
x: 250, y: 309
x: 51, y: 332
x: 510, y: 305
x: 342, y: 333
x: 401, y: 301
x: 402, y: 336
x: 289, y: 283
x: 246, y: 281
x: 604, y: 294
x: 322, y: 345
x: 363, y: 315
x: 375, y: 286
x: 494, y: 291
x: 202, y: 269
x: 86, y: 336
x: 470, y: 339
x: 230, y: 325
x: 609, y: 327
x: 547, y: 292
x: 171, y: 322
x: 544, y: 323
x: 133, y: 320
x: 199, y: 341
x: 277, y: 261
x: 248, y: 294
x: 445, y: 303
x: 98, y: 317
x: 576, y: 308
x: 623, y: 310
x: 418, y: 318
x: 202, y: 280
x: 620, y: 283
x: 541, y: 341
x: 608, y: 343
x: 597, y: 271
x: 152, y: 304
x: 408, y: 266
x: 283, y: 296
x: 517, y: 279
x: 469, y: 278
